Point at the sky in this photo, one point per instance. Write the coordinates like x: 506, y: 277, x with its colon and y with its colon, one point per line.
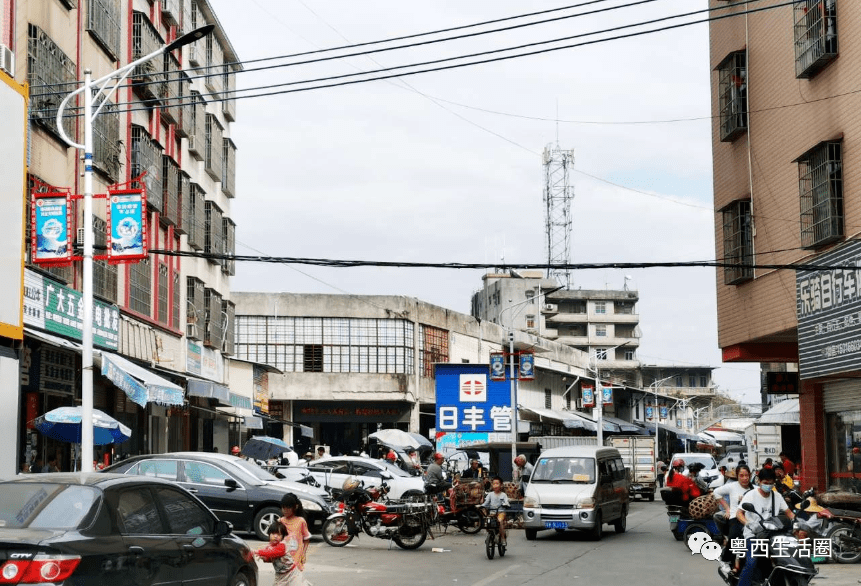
x: 446, y: 166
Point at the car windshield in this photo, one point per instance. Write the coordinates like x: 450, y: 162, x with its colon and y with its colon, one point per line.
x: 38, y: 505
x: 564, y: 470
x: 707, y: 461
x: 392, y: 468
x: 254, y: 470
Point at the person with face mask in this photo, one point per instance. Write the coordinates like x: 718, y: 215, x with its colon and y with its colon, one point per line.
x: 767, y: 503
x: 729, y: 496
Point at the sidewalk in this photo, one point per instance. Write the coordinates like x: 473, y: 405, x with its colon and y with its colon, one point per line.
x: 834, y: 574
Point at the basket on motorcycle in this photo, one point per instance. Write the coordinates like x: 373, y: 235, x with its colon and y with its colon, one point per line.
x: 514, y: 520
x: 703, y: 507
x: 840, y: 500
x: 469, y: 493
x: 512, y: 489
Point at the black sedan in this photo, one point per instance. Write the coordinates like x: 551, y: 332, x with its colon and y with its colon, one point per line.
x: 113, y: 529
x: 235, y: 489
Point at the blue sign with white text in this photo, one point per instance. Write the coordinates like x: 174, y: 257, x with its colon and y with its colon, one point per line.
x: 467, y: 401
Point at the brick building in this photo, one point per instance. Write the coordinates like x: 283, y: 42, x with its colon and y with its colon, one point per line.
x: 785, y: 128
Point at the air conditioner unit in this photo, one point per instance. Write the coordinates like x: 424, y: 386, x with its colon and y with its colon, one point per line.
x: 552, y: 307
x: 7, y: 60
x: 191, y: 331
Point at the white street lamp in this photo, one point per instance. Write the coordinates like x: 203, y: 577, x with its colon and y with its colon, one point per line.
x: 599, y: 395
x: 118, y: 77
x: 654, y: 385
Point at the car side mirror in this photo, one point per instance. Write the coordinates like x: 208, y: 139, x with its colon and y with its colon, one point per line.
x: 386, y: 474
x: 230, y: 483
x: 223, y: 528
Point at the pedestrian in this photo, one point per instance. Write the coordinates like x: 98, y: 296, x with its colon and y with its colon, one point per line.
x: 236, y: 451
x: 522, y: 472
x: 413, y: 463
x: 321, y: 453
x: 391, y: 457
x: 676, y: 479
x: 788, y: 465
x: 661, y: 470
x: 766, y: 504
x: 475, y: 471
x: 25, y: 468
x: 276, y: 553
x: 729, y: 496
x: 297, y: 539
x: 434, y: 475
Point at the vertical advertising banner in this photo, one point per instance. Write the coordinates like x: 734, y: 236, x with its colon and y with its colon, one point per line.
x: 497, y: 366
x: 127, y: 235
x: 588, y: 394
x: 650, y: 412
x: 663, y: 412
x: 607, y: 395
x: 50, y: 229
x: 527, y: 366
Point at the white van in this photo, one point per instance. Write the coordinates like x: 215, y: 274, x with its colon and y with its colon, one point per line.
x: 576, y: 487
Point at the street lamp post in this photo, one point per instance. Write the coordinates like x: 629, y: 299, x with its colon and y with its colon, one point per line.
x: 655, y: 386
x: 599, y: 396
x: 118, y: 77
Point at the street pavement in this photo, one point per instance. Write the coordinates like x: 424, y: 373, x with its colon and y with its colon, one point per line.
x: 646, y: 555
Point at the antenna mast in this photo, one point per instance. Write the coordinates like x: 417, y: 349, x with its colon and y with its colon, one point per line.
x: 558, y: 194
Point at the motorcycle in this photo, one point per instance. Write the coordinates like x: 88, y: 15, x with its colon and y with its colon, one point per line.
x: 405, y: 523
x: 457, y: 509
x: 841, y: 525
x: 784, y: 565
x: 682, y: 523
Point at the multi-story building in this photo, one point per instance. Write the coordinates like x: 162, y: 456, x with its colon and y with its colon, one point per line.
x: 784, y: 130
x: 169, y: 123
x: 601, y: 323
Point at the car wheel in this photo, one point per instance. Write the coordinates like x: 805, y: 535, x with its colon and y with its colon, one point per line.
x: 240, y: 579
x: 265, y: 517
x: 413, y: 495
x: 531, y: 534
x: 598, y: 529
x: 621, y: 523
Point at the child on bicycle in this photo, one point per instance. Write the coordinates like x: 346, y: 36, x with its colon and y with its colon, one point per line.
x: 496, y: 500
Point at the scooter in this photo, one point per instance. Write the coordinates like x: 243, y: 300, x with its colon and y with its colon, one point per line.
x: 841, y: 525
x: 789, y: 568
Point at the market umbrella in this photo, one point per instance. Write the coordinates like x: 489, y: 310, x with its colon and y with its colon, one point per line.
x: 396, y: 438
x: 263, y: 447
x: 64, y: 424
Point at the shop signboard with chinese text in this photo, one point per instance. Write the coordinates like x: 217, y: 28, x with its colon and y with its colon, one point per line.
x: 53, y: 307
x: 828, y: 307
x: 468, y: 401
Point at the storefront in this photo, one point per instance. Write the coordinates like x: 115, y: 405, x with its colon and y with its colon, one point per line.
x: 344, y: 426
x: 842, y: 404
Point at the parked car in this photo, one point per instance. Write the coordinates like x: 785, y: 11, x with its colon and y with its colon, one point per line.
x: 95, y: 528
x: 235, y: 489
x: 709, y: 474
x: 333, y: 470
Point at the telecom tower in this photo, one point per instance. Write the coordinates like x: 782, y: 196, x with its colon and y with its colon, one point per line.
x: 557, y: 211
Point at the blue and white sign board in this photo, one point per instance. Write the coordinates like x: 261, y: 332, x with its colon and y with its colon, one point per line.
x: 497, y: 366
x: 527, y: 366
x: 664, y: 412
x: 127, y: 236
x: 467, y: 401
x: 649, y: 412
x: 607, y: 395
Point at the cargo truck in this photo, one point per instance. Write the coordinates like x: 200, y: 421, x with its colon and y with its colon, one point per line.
x: 638, y: 455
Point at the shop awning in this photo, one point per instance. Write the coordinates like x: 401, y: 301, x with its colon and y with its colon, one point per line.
x: 141, y: 385
x: 208, y: 390
x: 53, y: 340
x: 240, y: 401
x: 784, y: 412
x: 722, y: 436
x: 674, y: 430
x: 567, y: 419
x: 626, y: 426
x: 608, y: 426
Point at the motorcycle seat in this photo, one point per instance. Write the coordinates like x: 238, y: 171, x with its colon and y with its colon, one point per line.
x: 845, y: 513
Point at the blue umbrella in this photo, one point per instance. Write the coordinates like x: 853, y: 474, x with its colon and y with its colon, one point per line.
x: 64, y: 424
x: 263, y: 447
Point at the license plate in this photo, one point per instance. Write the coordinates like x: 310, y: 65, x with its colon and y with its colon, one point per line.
x: 674, y: 519
x: 555, y: 525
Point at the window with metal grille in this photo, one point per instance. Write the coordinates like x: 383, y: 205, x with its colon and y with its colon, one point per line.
x: 195, y: 307
x: 601, y: 331
x: 230, y: 327
x: 140, y: 287
x: 737, y: 242
x: 197, y: 132
x: 624, y: 307
x: 176, y: 297
x: 692, y: 380
x: 196, y: 51
x: 104, y: 274
x: 229, y: 266
x: 163, y: 290
x: 184, y: 205
x: 228, y: 106
x: 103, y: 23
x: 197, y: 217
x: 815, y: 36
x: 732, y: 95
x: 214, y: 63
x: 548, y: 399
x: 214, y: 235
x: 576, y: 307
x: 214, y: 324
x: 168, y: 89
x: 530, y: 322
x: 704, y: 381
x: 170, y: 191
x: 185, y: 105
x: 312, y: 358
x: 629, y: 354
x: 600, y: 307
x: 433, y: 348
x: 820, y: 183
x: 228, y: 171
x: 106, y: 142
x: 568, y: 399
x: 214, y: 148
x: 146, y: 158
x: 47, y: 69
x: 601, y: 353
x: 146, y: 77
x: 678, y: 381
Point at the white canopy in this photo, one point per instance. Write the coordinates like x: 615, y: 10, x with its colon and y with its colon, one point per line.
x: 784, y: 412
x: 723, y: 436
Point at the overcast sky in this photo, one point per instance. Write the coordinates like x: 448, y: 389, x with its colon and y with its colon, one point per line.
x: 449, y: 168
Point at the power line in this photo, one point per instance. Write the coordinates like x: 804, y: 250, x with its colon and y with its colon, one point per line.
x: 183, y: 100
x: 340, y: 263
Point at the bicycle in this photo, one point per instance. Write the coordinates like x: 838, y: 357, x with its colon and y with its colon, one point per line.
x: 493, y: 542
